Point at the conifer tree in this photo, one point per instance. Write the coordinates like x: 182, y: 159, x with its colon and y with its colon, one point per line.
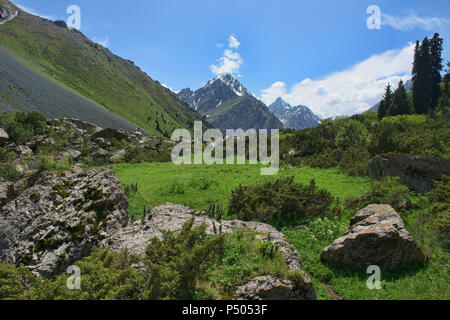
x: 422, y: 80
x: 386, y: 103
x: 400, y: 103
x: 436, y: 46
x: 382, y: 112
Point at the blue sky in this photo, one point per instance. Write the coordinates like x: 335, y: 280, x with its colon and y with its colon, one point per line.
x: 317, y: 53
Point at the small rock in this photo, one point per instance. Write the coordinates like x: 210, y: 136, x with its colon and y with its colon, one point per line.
x: 23, y: 150
x: 271, y: 288
x: 4, y: 137
x: 117, y: 154
x: 100, y: 153
x: 71, y: 153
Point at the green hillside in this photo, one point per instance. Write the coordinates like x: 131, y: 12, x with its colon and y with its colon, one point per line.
x: 74, y: 61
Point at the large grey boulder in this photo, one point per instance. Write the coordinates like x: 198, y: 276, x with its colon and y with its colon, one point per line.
x: 377, y: 236
x: 56, y: 219
x: 418, y: 173
x: 171, y: 217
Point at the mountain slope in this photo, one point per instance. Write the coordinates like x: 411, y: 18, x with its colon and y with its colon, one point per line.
x: 22, y: 88
x: 93, y: 71
x: 229, y: 105
x: 298, y: 117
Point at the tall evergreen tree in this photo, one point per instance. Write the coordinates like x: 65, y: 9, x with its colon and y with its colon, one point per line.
x: 382, y: 112
x: 436, y: 47
x: 386, y: 103
x: 422, y: 80
x: 444, y: 100
x: 400, y: 104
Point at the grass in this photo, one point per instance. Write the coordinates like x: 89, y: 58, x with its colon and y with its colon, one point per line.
x: 429, y: 282
x: 198, y: 186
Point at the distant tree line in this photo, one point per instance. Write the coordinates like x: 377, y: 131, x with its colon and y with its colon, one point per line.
x: 427, y: 94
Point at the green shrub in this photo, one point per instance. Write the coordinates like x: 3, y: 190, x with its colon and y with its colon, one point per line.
x: 139, y: 154
x: 275, y: 199
x: 179, y: 260
x: 352, y: 134
x: 388, y: 190
x: 440, y: 205
x: 14, y: 281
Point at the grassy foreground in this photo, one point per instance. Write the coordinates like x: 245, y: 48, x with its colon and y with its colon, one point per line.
x: 198, y: 186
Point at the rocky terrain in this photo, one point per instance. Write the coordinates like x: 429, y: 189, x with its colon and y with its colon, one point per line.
x: 418, y: 173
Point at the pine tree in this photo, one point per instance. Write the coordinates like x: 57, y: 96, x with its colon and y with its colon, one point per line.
x: 422, y: 80
x: 436, y: 46
x: 385, y: 103
x: 400, y: 103
x: 388, y: 98
x: 382, y: 112
x: 444, y: 100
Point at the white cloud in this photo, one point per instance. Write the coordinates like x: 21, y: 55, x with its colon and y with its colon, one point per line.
x: 233, y: 42
x: 104, y: 42
x: 350, y: 91
x: 219, y: 45
x: 35, y: 13
x: 412, y: 21
x: 231, y: 61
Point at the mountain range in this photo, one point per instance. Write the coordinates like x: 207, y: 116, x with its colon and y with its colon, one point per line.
x: 298, y: 117
x: 227, y: 104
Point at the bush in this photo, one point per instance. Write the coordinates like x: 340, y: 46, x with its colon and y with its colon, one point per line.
x: 275, y: 199
x: 388, y: 190
x: 23, y: 126
x: 440, y: 205
x: 179, y: 260
x: 352, y: 134
x: 139, y: 154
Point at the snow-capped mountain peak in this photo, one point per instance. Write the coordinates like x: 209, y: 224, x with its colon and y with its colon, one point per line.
x: 298, y: 117
x: 230, y: 81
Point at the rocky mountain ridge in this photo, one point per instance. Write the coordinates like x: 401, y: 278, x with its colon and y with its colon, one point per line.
x: 227, y: 104
x: 298, y: 117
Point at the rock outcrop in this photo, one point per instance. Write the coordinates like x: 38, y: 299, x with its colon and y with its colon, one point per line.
x: 418, y: 173
x: 377, y: 236
x: 171, y: 217
x: 54, y: 220
x: 7, y: 12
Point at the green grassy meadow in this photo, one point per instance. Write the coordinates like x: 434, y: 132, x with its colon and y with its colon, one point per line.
x: 199, y: 185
